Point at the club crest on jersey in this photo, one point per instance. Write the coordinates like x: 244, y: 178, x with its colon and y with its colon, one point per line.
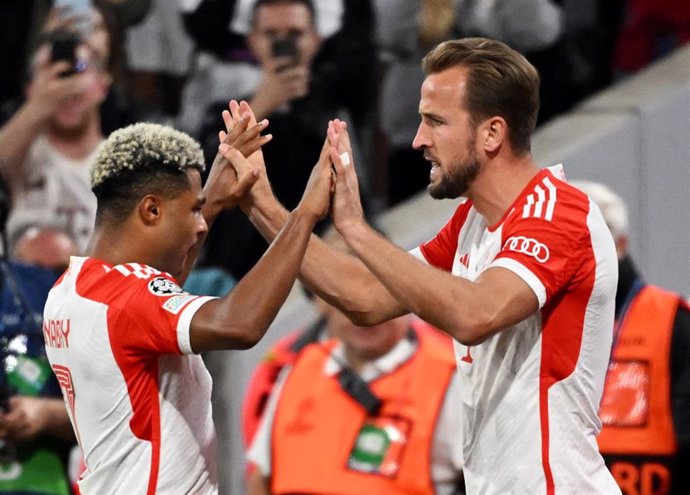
x: 161, y: 286
x: 528, y: 246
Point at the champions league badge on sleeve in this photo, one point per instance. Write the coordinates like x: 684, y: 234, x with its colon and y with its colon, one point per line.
x: 161, y: 286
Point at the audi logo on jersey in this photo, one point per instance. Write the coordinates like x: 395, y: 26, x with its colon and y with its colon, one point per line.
x: 528, y: 246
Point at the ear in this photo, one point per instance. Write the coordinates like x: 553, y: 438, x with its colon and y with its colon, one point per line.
x: 313, y: 45
x: 493, y: 132
x: 150, y: 210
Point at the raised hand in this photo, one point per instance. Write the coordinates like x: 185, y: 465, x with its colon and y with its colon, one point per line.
x: 262, y: 189
x: 231, y: 118
x: 48, y: 90
x: 227, y: 184
x: 316, y: 198
x: 281, y: 83
x: 346, y: 208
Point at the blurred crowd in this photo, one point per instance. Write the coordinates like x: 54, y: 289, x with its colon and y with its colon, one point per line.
x: 179, y: 63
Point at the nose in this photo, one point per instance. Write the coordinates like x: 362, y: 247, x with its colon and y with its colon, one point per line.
x: 421, y: 139
x: 202, y: 227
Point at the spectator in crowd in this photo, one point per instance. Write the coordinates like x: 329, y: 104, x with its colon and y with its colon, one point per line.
x: 297, y: 100
x: 102, y: 30
x: 645, y: 408
x: 407, y: 29
x: 137, y: 396
x: 48, y: 145
x: 523, y: 276
x: 159, y: 54
x: 225, y: 65
x: 370, y: 410
x: 35, y: 433
x: 262, y: 382
x: 283, y: 353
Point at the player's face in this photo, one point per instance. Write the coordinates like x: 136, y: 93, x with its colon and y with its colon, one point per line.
x: 183, y: 226
x: 446, y: 135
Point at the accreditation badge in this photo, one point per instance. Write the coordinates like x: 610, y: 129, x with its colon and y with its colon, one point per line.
x: 379, y: 446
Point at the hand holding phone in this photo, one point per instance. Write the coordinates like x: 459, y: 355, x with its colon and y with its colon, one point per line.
x: 286, y: 48
x: 64, y: 48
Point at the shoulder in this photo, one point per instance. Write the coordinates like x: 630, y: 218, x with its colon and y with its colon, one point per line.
x: 551, y: 199
x: 130, y: 283
x: 556, y: 209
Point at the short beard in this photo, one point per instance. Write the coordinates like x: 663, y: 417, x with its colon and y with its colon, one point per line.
x: 456, y: 183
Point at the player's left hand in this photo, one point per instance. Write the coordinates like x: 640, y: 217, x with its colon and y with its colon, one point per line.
x: 346, y: 207
x: 226, y: 186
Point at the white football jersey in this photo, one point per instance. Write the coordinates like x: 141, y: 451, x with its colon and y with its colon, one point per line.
x: 117, y: 338
x: 531, y: 392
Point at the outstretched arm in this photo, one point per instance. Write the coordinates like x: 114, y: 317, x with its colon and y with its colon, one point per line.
x: 469, y: 311
x: 239, y: 319
x: 225, y: 186
x: 337, y: 277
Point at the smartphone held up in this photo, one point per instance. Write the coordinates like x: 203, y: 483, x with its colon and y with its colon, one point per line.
x: 64, y: 48
x: 285, y: 48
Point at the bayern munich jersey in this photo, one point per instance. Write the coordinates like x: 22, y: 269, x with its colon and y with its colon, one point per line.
x: 117, y: 338
x: 530, y: 393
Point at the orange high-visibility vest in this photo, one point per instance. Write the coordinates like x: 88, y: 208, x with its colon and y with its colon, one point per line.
x: 317, y: 424
x: 637, y: 439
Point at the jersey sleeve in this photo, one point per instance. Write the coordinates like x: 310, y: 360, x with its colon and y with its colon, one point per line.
x: 155, y: 316
x: 440, y: 250
x: 544, y: 253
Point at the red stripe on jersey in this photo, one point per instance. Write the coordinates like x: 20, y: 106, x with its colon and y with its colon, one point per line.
x: 440, y: 251
x: 139, y: 368
x: 142, y: 388
x: 563, y: 319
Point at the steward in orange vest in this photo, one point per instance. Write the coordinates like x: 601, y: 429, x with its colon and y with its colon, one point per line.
x: 264, y: 377
x: 645, y: 408
x: 334, y: 433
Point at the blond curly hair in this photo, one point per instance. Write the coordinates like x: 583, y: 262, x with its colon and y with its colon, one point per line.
x: 143, y: 144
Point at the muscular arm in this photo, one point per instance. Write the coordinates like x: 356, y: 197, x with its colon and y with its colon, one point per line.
x: 239, y: 319
x: 225, y: 187
x: 469, y: 311
x: 337, y: 277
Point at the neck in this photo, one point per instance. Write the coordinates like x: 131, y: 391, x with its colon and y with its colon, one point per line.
x: 78, y: 144
x: 355, y: 360
x: 499, y: 183
x: 106, y: 245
